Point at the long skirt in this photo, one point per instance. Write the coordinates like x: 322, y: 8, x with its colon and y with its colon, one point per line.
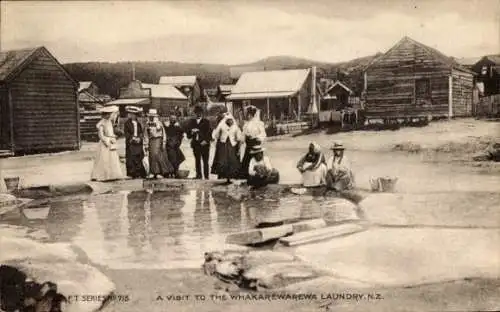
x: 134, y: 155
x: 226, y: 162
x: 270, y: 177
x: 316, y: 177
x: 158, y: 159
x: 107, y: 166
x: 175, y: 156
x: 247, y: 157
x: 339, y: 181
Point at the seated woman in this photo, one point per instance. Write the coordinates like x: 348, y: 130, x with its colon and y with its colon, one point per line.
x: 312, y: 166
x: 339, y: 176
x: 260, y: 170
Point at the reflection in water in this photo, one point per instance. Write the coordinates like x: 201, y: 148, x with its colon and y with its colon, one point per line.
x: 202, y: 214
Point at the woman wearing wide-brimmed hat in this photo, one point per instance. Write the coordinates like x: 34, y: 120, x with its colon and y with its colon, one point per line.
x: 260, y: 169
x: 107, y: 166
x: 254, y: 133
x: 339, y: 176
x: 155, y: 140
x: 134, y: 151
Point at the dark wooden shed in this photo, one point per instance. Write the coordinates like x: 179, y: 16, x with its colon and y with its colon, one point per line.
x: 414, y: 80
x: 488, y: 72
x: 38, y: 103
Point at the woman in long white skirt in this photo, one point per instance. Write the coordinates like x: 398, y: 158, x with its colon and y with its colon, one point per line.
x: 107, y: 166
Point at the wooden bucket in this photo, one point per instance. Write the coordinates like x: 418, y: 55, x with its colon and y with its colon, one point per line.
x: 383, y: 184
x: 182, y: 174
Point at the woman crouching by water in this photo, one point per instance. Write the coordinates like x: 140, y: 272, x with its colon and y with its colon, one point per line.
x: 155, y: 140
x: 313, y: 167
x: 228, y: 136
x: 107, y: 166
x: 260, y: 171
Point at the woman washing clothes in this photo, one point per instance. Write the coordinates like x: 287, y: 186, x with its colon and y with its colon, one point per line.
x: 228, y: 136
x: 155, y: 140
x: 260, y: 171
x: 312, y: 166
x: 339, y: 176
x: 107, y: 166
x: 254, y: 133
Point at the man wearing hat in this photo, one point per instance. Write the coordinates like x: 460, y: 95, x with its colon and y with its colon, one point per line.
x: 200, y: 133
x: 134, y: 151
x: 260, y: 170
x: 339, y: 176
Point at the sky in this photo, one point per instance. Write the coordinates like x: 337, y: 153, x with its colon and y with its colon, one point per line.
x: 235, y: 32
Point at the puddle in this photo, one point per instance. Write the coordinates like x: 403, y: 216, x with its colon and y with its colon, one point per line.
x: 163, y: 229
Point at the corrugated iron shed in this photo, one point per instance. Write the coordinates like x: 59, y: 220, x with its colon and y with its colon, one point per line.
x: 178, y: 80
x: 164, y: 91
x: 269, y: 84
x: 83, y: 85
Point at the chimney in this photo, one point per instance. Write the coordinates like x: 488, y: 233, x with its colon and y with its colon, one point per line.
x: 133, y: 71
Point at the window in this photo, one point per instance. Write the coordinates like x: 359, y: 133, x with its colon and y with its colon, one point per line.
x: 423, y: 89
x: 484, y: 70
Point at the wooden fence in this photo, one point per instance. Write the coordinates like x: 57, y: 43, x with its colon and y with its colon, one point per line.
x: 488, y: 106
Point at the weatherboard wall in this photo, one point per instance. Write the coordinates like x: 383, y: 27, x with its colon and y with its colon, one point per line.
x: 45, y: 107
x: 391, y: 83
x: 462, y: 93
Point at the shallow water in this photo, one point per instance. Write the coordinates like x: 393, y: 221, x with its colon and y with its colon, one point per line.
x: 173, y: 229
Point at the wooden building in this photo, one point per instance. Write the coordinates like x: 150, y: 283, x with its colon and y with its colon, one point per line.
x: 38, y: 103
x: 88, y: 86
x: 188, y: 85
x: 412, y: 80
x: 282, y: 95
x: 165, y: 98
x: 488, y: 72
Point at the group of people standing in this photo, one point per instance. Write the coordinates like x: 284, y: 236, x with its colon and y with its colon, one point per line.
x: 155, y: 149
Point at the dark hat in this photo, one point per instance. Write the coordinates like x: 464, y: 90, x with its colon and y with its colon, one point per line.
x: 198, y: 109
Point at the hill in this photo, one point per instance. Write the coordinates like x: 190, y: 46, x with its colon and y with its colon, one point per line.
x: 110, y: 77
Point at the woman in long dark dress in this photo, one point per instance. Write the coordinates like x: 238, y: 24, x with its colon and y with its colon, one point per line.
x: 175, y: 134
x: 155, y: 140
x: 254, y: 133
x: 134, y: 151
x: 228, y: 137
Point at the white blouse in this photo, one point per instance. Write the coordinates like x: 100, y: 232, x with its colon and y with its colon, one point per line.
x: 263, y: 162
x: 223, y: 132
x: 255, y: 129
x: 339, y: 164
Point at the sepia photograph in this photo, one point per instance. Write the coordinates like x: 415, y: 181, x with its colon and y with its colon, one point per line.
x: 241, y: 156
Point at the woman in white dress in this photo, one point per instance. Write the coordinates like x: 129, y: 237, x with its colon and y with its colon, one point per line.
x: 107, y: 166
x: 312, y: 166
x: 254, y: 133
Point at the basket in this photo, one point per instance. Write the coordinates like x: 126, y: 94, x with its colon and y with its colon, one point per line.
x: 40, y: 213
x: 12, y: 183
x: 182, y: 174
x: 383, y: 184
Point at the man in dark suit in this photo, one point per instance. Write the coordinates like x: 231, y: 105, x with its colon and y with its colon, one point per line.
x: 200, y: 133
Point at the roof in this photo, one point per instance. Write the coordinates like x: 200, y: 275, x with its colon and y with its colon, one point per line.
x: 85, y: 96
x: 226, y: 88
x: 340, y: 84
x: 164, y: 91
x: 84, y: 85
x: 493, y: 58
x: 178, y: 80
x: 448, y: 61
x: 14, y: 61
x: 139, y: 101
x: 269, y: 84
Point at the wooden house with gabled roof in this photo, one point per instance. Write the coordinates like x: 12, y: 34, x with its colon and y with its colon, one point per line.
x: 414, y: 80
x: 38, y: 103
